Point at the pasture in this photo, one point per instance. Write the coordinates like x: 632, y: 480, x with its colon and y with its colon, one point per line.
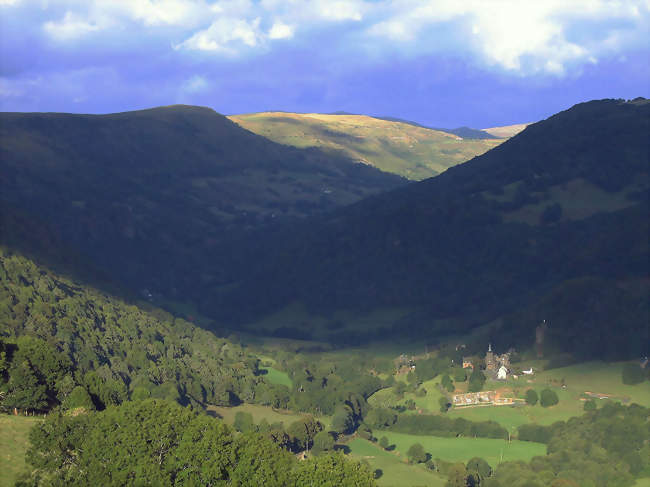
x: 462, y: 449
x: 395, y: 471
x: 14, y: 441
x: 275, y: 376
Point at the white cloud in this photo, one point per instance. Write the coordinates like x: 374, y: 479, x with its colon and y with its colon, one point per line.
x: 71, y: 27
x: 519, y: 36
x: 195, y: 84
x: 226, y: 35
x: 281, y: 31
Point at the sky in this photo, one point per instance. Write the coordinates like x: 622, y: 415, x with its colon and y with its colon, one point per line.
x: 442, y: 63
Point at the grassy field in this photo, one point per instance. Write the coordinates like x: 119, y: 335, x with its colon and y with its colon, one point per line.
x: 275, y: 376
x: 644, y: 482
x: 395, y: 471
x: 595, y: 377
x: 462, y: 449
x: 261, y: 412
x: 14, y: 435
x: 410, y: 151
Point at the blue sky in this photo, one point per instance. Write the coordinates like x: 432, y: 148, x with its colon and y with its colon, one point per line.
x: 444, y: 63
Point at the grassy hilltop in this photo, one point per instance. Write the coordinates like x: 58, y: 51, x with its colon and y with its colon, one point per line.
x: 411, y: 151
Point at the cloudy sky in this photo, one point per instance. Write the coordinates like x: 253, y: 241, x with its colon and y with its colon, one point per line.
x: 443, y: 63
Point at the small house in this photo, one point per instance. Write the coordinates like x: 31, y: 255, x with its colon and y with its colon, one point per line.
x: 502, y: 374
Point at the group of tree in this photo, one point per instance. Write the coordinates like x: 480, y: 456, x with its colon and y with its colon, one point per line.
x: 156, y: 442
x: 60, y: 335
x: 605, y: 447
x: 547, y: 398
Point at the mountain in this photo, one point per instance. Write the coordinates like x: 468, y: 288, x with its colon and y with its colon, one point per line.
x: 464, y: 132
x: 552, y: 223
x: 149, y: 196
x: 406, y: 149
x: 506, y: 131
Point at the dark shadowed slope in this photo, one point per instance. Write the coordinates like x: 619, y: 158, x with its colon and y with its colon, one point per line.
x: 563, y: 205
x: 150, y: 195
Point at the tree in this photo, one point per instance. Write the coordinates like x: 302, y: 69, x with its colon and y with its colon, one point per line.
x: 78, y: 398
x: 244, y: 422
x: 447, y: 383
x: 460, y: 375
x: 457, y: 476
x: 531, y: 397
x: 323, y: 442
x: 25, y: 389
x: 342, y: 421
x: 479, y: 466
x: 444, y: 404
x: 416, y: 453
x: 332, y: 470
x: 548, y: 398
x: 383, y: 442
x: 632, y: 374
x: 590, y: 405
x: 476, y: 380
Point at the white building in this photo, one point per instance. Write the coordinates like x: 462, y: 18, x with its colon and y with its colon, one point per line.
x: 502, y: 373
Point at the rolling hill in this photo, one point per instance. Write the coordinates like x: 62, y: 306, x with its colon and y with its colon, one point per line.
x: 409, y: 150
x: 551, y: 224
x: 149, y: 196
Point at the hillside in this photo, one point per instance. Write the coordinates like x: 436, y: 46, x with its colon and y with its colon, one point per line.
x: 506, y: 131
x: 149, y: 196
x: 552, y: 223
x: 394, y: 146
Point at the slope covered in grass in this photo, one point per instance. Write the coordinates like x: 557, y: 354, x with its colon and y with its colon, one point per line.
x: 411, y: 151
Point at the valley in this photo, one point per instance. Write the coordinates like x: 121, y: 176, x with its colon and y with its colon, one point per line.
x: 486, y: 325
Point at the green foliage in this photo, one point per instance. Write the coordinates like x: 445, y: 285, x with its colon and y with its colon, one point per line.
x: 438, y: 425
x: 244, y: 422
x: 548, y: 397
x: 604, y: 447
x: 67, y: 335
x: 632, y: 374
x: 333, y: 470
x: 383, y: 442
x: 323, y: 442
x: 78, y: 398
x: 476, y: 380
x: 155, y: 442
x: 479, y: 466
x: 460, y: 375
x: 531, y: 397
x: 416, y: 453
x: 447, y: 383
x: 590, y: 405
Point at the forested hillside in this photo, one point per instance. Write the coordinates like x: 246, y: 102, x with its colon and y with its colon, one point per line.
x: 150, y: 197
x: 64, y: 343
x: 552, y: 223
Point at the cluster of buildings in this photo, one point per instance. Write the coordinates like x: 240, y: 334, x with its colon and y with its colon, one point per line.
x: 483, y: 398
x: 496, y: 366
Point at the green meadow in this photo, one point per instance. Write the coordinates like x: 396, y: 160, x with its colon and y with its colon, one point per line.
x: 14, y: 441
x: 410, y: 151
x: 395, y: 471
x: 275, y: 376
x: 493, y: 451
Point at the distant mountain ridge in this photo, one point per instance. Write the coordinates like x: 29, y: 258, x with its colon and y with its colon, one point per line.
x: 562, y: 205
x: 407, y: 149
x: 149, y: 195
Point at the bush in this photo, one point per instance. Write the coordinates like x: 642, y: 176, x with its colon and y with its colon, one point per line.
x: 383, y: 442
x: 416, y: 453
x: 548, y: 398
x: 590, y: 405
x: 531, y: 397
